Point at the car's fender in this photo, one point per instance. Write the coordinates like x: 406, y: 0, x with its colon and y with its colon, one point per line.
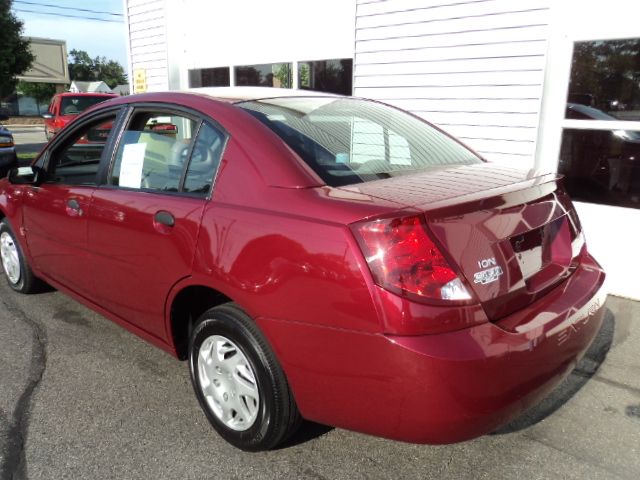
x: 11, y: 202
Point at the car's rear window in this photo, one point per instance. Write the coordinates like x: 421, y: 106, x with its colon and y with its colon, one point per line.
x: 73, y: 105
x: 347, y: 141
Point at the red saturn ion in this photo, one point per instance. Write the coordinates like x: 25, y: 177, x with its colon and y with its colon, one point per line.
x: 317, y: 257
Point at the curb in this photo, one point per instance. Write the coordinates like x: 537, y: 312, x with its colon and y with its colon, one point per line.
x: 18, y: 125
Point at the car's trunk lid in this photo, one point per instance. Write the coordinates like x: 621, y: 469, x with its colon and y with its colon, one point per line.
x: 513, y: 235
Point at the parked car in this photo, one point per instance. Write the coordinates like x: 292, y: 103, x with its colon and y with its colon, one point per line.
x: 8, y: 156
x: 64, y: 107
x: 311, y: 256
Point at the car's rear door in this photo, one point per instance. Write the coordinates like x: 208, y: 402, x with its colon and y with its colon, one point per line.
x: 144, y: 223
x: 55, y: 212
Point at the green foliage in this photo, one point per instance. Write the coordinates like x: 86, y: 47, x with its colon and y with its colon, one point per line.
x: 283, y: 74
x: 607, y: 71
x: 15, y: 56
x: 304, y: 75
x: 86, y: 69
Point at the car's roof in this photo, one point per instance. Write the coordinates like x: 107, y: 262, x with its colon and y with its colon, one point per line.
x: 86, y: 94
x: 239, y: 94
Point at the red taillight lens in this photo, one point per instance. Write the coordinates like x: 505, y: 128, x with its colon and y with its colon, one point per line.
x: 403, y: 259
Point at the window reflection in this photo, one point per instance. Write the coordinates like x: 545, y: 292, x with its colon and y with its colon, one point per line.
x: 602, y: 166
x: 209, y: 77
x: 605, y: 75
x: 268, y: 75
x: 332, y: 76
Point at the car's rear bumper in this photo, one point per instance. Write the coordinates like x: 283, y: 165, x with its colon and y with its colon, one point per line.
x: 447, y: 387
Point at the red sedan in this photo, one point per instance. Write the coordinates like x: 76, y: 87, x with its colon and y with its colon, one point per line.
x: 317, y: 257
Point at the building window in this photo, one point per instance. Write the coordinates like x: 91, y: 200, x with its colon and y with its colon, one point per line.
x: 209, y: 77
x: 600, y: 152
x: 268, y: 75
x: 332, y: 76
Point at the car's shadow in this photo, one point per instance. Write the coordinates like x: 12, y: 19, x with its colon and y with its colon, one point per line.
x: 585, y: 369
x: 307, y: 431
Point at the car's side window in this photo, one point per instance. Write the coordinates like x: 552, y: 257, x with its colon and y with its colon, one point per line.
x: 153, y: 151
x: 77, y: 160
x: 205, y: 159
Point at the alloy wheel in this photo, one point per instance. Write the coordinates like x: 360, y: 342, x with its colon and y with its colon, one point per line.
x: 10, y: 257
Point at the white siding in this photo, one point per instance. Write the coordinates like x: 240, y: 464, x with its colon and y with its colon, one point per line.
x: 474, y: 67
x: 148, y: 41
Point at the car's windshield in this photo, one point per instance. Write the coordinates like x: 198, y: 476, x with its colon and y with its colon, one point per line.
x: 347, y: 141
x: 73, y: 105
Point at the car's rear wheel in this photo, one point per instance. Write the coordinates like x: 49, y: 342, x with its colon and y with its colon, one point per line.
x: 238, y: 381
x: 14, y: 265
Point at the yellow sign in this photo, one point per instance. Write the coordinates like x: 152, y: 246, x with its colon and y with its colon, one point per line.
x: 139, y: 80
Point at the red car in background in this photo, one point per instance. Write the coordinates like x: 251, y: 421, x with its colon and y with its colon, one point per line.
x: 64, y: 107
x: 318, y: 257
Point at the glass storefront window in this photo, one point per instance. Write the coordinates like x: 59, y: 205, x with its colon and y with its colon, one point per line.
x: 209, y: 77
x: 332, y: 76
x: 268, y: 75
x: 600, y: 150
x: 602, y: 166
x: 605, y: 75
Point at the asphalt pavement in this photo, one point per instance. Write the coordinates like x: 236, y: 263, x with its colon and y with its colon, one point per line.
x: 82, y: 398
x: 28, y: 138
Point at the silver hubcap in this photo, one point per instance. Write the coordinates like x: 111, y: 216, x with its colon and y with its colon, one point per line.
x: 10, y: 258
x: 228, y: 383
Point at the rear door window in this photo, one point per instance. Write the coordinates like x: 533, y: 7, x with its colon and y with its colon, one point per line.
x: 167, y: 152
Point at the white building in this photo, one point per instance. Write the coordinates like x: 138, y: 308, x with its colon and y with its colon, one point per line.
x: 89, y: 87
x: 495, y: 73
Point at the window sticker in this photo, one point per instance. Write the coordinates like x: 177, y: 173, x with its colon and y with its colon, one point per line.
x: 131, y: 165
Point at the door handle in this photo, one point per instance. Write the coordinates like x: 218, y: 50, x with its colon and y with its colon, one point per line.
x: 73, y: 208
x: 164, y: 218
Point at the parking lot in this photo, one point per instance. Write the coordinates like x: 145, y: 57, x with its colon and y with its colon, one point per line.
x: 83, y: 398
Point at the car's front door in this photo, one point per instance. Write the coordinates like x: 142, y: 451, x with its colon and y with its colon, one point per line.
x: 55, y: 212
x: 143, y: 225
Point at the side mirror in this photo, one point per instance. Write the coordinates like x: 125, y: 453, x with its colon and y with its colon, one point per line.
x: 47, y: 115
x: 31, y: 175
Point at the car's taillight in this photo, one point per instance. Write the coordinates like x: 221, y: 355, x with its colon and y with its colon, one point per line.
x: 403, y: 259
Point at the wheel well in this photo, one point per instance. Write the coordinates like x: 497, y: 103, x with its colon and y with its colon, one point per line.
x: 187, y: 307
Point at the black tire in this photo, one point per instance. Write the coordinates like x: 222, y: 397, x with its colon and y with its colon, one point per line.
x: 277, y: 414
x: 27, y: 282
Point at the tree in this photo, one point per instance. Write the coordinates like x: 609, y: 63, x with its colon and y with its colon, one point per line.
x: 15, y: 56
x: 84, y: 68
x: 41, y: 92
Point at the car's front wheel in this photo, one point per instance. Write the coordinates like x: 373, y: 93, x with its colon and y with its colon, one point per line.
x: 238, y: 381
x: 14, y: 265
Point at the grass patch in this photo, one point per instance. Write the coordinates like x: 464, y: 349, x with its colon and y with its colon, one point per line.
x: 27, y: 156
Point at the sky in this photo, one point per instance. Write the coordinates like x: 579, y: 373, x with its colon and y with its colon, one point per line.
x: 105, y: 37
